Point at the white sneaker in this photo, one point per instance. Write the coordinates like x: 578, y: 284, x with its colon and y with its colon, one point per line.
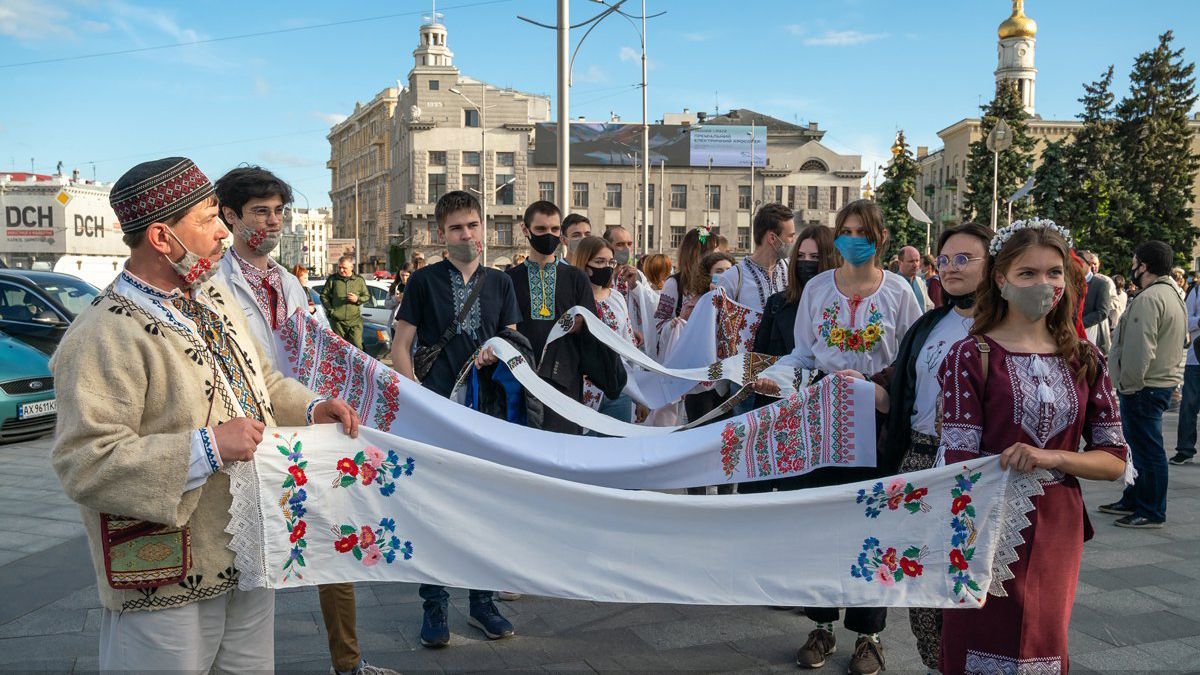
x: 508, y: 596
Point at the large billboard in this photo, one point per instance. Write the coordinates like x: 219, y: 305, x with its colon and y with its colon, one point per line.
x: 601, y: 144
x: 59, y: 219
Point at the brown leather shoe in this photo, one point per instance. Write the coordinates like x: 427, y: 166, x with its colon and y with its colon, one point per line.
x: 821, y: 643
x: 868, y: 657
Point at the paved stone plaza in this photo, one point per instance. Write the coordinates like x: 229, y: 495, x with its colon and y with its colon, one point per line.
x: 1137, y: 610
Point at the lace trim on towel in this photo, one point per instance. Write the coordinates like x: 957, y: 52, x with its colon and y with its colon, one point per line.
x: 1014, y: 518
x: 246, y: 526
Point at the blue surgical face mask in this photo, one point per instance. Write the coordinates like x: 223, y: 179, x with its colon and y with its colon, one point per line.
x: 855, y: 250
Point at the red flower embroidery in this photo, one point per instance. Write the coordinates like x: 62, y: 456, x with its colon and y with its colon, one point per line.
x: 893, y: 502
x: 957, y: 559
x: 916, y: 494
x: 368, y: 474
x: 346, y: 543
x: 297, y: 532
x: 297, y: 475
x: 959, y: 504
x: 911, y: 568
x: 367, y: 537
x: 889, y: 559
x: 347, y: 466
x: 854, y: 340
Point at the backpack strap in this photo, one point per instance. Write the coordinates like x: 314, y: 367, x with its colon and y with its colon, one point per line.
x: 984, y: 348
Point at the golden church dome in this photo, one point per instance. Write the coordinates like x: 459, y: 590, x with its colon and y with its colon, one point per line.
x: 1018, y: 25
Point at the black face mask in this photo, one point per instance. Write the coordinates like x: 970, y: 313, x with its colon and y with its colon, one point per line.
x: 600, y: 276
x: 806, y: 270
x: 546, y: 244
x: 966, y: 301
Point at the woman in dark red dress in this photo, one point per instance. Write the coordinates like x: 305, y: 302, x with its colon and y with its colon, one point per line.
x: 1024, y: 386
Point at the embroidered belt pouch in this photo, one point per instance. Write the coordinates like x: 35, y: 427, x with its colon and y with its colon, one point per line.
x: 140, y: 554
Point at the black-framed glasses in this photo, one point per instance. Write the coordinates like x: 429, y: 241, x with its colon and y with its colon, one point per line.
x: 263, y: 213
x: 959, y: 261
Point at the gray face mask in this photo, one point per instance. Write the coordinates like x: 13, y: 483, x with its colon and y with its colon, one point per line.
x: 621, y: 255
x: 463, y: 252
x: 1033, y: 302
x: 261, y: 242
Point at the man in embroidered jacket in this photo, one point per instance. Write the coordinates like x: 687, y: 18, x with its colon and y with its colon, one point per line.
x: 251, y: 201
x: 160, y: 388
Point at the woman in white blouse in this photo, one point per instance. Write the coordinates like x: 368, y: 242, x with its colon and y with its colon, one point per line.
x: 594, y: 256
x: 853, y: 318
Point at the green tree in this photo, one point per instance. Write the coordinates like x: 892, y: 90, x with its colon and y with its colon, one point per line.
x: 1155, y: 146
x: 1097, y: 206
x: 900, y: 183
x: 1051, y: 182
x: 1016, y: 163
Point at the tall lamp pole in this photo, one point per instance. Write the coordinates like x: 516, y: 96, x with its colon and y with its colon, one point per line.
x: 998, y: 140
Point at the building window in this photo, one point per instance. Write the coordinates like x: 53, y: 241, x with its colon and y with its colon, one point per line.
x: 437, y: 186
x: 651, y: 202
x: 470, y: 117
x: 678, y: 201
x: 505, y: 195
x: 778, y: 194
x: 743, y: 241
x: 434, y: 85
x: 470, y: 158
x: 833, y: 199
x: 845, y: 195
x: 612, y: 195
x: 505, y: 158
x: 791, y: 202
x: 812, y: 197
x: 431, y: 230
x: 579, y: 195
x: 651, y: 242
x: 470, y: 182
x: 815, y: 166
x: 744, y: 198
x: 676, y: 236
x: 437, y: 158
x: 504, y: 232
x: 546, y: 191
x: 712, y: 194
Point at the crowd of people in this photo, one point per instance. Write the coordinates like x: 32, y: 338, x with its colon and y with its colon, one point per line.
x: 1004, y: 342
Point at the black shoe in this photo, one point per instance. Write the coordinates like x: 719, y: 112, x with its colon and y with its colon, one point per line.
x: 1138, y: 522
x: 1180, y: 459
x: 1115, y: 509
x: 435, y: 632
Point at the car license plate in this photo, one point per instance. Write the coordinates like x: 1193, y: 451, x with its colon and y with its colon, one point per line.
x: 28, y: 410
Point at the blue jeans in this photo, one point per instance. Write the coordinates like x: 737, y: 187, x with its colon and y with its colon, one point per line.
x: 1141, y: 421
x: 619, y: 408
x: 437, y: 595
x: 1189, y: 407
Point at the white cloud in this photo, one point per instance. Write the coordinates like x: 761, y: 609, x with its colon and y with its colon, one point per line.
x: 331, y: 118
x: 843, y: 38
x: 30, y: 20
x: 141, y: 24
x: 697, y: 37
x: 593, y: 75
x: 630, y: 54
x: 262, y: 88
x: 795, y: 28
x: 95, y: 26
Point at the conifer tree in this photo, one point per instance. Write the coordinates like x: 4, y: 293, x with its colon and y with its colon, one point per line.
x: 900, y: 183
x: 1157, y: 164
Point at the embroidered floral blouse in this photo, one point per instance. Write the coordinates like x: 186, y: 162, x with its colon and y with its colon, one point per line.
x: 614, y: 312
x: 834, y: 332
x: 1030, y: 398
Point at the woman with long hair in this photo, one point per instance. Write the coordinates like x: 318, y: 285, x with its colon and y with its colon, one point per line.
x: 682, y: 289
x: 850, y: 318
x: 1025, y: 386
x: 813, y: 253
x: 594, y: 256
x: 911, y: 441
x: 657, y: 267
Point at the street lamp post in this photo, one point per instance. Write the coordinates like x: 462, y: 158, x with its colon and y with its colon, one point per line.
x: 483, y: 188
x: 998, y: 140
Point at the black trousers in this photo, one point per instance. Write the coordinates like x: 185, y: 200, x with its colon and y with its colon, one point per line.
x: 867, y: 620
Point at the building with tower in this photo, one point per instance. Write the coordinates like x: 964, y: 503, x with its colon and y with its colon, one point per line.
x: 941, y: 187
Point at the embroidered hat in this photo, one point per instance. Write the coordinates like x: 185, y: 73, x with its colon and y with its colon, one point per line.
x: 153, y: 191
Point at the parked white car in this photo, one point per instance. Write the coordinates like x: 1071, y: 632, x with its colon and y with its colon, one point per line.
x: 377, y: 309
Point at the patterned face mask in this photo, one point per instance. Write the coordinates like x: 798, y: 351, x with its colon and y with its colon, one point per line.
x: 261, y: 242
x: 192, y: 269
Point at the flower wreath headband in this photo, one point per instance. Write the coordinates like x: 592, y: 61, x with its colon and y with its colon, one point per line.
x: 1006, y: 233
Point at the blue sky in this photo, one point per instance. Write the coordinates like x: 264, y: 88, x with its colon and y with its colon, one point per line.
x: 860, y: 68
